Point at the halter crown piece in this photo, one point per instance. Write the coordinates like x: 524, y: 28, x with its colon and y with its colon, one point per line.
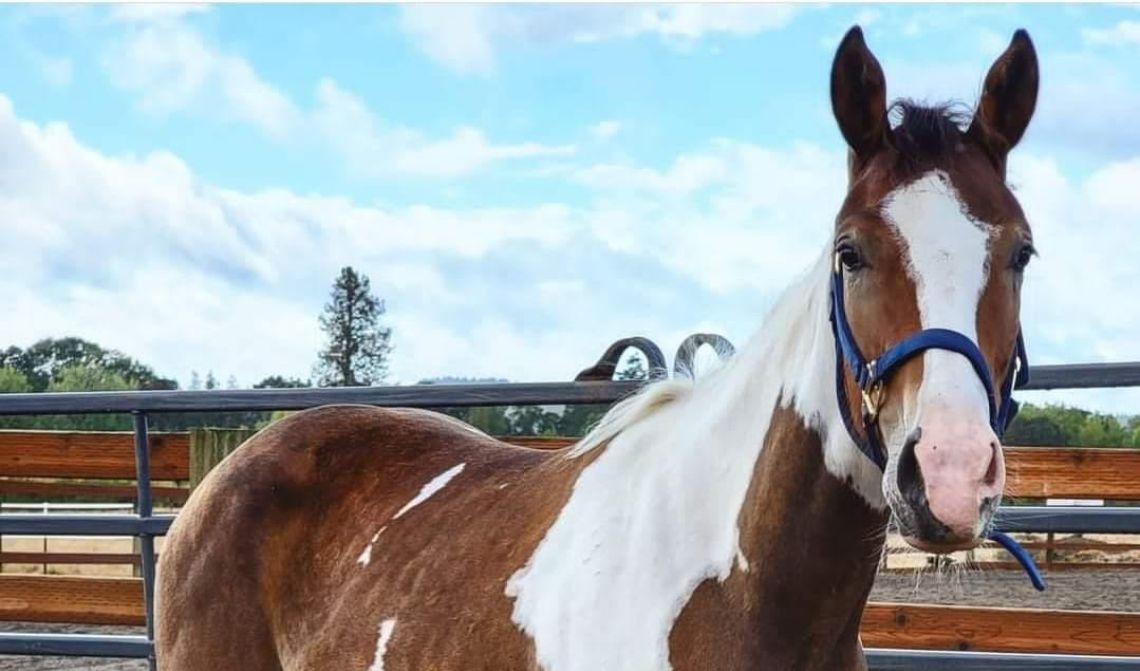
x: 871, y: 376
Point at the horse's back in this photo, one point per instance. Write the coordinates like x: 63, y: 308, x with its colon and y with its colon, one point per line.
x: 323, y: 522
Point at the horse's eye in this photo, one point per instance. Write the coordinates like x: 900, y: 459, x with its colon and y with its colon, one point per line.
x: 1024, y: 255
x: 849, y: 257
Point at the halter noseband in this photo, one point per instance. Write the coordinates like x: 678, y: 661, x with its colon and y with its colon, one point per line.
x: 871, y: 377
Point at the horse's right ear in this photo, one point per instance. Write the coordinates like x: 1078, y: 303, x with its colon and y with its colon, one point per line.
x: 859, y: 97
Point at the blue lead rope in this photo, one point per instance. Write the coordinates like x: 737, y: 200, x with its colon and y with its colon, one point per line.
x: 871, y: 375
x: 1021, y: 556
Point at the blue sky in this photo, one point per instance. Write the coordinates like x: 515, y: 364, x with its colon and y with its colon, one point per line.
x: 524, y: 184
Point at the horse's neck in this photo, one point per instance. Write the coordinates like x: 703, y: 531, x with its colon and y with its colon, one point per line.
x: 812, y: 546
x: 812, y: 520
x: 710, y: 486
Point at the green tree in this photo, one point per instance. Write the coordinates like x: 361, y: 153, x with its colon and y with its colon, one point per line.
x: 634, y: 368
x: 279, y: 382
x: 13, y: 381
x: 532, y: 420
x: 357, y: 346
x: 1102, y: 431
x: 1038, y: 430
x: 88, y: 378
x: 44, y: 361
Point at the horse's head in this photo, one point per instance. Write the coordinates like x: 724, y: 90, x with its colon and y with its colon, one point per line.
x: 930, y: 237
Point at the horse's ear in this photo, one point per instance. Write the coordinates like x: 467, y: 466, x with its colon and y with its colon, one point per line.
x: 859, y: 96
x: 1009, y: 97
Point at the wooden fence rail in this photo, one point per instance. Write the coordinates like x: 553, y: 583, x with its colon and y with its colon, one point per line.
x: 921, y: 627
x: 1032, y: 472
x: 1036, y: 472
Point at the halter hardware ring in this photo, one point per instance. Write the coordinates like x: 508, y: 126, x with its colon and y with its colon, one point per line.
x: 873, y: 400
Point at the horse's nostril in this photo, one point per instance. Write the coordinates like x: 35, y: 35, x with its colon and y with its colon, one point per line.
x: 991, y: 473
x: 908, y: 471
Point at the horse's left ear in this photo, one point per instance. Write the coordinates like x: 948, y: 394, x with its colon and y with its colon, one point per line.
x: 1009, y: 97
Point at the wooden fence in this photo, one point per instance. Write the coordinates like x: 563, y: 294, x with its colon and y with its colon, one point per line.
x: 81, y: 464
x: 101, y: 465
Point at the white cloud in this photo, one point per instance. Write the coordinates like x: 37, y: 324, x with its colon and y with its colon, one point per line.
x: 140, y: 254
x: 156, y: 12
x: 373, y: 147
x: 173, y: 68
x: 686, y: 22
x: 457, y: 36
x: 1124, y: 32
x: 604, y: 130
x: 464, y: 38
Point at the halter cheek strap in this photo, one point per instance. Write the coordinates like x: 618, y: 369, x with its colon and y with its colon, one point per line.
x: 871, y: 377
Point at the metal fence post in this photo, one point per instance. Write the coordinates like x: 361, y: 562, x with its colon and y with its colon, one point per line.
x: 146, y: 540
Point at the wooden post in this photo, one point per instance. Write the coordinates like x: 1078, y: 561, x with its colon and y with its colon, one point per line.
x: 208, y: 447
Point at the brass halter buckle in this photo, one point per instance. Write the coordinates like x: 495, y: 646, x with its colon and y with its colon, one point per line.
x: 873, y: 397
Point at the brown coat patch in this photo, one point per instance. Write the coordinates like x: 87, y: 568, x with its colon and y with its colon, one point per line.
x: 278, y: 528
x: 812, y: 546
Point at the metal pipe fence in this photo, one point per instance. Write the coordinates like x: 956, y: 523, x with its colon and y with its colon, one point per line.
x: 145, y: 525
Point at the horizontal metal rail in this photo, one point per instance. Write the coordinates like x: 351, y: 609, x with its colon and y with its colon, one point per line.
x: 1070, y: 519
x: 1070, y: 376
x: 935, y: 660
x: 25, y: 524
x: 1040, y: 519
x: 1084, y: 376
x: 879, y: 659
x: 422, y: 396
x: 76, y: 645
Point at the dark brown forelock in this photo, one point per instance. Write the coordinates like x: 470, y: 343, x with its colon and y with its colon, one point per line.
x: 933, y: 137
x: 926, y: 136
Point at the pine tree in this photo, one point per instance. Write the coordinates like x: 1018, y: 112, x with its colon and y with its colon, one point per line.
x: 357, y: 346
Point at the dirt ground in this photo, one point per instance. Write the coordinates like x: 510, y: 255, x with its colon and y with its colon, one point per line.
x: 1072, y: 590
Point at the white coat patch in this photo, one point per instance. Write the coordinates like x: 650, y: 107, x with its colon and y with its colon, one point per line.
x: 656, y: 513
x: 434, y: 485
x: 386, y: 629
x: 366, y: 556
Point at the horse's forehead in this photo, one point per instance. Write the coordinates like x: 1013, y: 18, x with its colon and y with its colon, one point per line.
x: 944, y: 249
x: 932, y: 210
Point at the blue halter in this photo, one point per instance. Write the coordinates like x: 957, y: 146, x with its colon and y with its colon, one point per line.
x: 871, y: 377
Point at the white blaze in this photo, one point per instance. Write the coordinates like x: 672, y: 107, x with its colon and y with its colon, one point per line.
x: 946, y: 252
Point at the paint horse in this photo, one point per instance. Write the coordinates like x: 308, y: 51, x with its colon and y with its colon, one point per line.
x: 730, y: 522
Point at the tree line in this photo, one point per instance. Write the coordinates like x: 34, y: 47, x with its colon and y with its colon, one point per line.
x: 356, y: 352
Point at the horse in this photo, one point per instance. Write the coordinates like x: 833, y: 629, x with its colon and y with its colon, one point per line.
x: 731, y: 521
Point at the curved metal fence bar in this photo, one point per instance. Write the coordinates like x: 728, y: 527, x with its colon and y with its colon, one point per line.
x: 687, y: 351
x: 606, y: 366
x: 593, y: 387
